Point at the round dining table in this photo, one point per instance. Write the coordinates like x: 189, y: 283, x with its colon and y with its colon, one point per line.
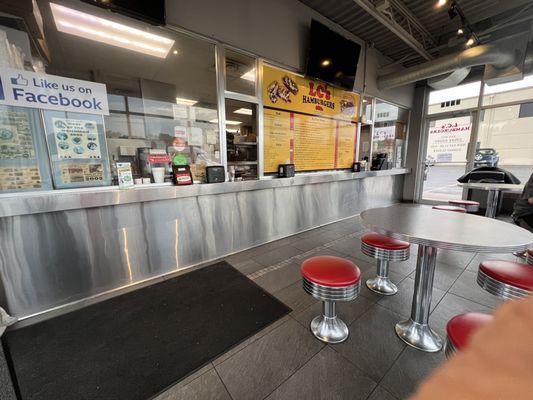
x: 493, y: 196
x: 431, y: 230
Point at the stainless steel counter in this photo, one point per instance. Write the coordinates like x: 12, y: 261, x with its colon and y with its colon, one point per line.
x: 66, y: 246
x: 71, y: 199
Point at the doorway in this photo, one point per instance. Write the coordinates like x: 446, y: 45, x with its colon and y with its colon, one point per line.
x: 446, y: 156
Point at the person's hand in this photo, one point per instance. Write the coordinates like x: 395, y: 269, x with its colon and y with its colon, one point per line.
x: 497, y: 364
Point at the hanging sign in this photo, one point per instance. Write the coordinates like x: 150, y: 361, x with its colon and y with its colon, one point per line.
x: 29, y: 89
x: 288, y: 91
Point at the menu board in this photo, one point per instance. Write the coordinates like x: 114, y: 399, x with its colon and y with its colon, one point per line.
x: 22, y: 151
x: 288, y: 91
x: 310, y: 142
x: 308, y: 123
x: 77, y: 148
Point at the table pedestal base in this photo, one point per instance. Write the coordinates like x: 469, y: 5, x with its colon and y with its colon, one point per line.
x: 416, y: 331
x: 419, y: 336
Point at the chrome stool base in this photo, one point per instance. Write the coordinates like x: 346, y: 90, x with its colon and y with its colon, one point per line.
x: 382, y: 285
x: 419, y: 336
x: 329, y: 329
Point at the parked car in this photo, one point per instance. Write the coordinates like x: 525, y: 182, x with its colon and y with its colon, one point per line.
x: 488, y: 157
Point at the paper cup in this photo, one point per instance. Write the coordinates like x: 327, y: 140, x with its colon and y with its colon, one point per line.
x: 159, y: 174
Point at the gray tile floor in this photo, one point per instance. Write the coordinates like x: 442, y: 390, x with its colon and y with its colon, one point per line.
x: 285, y: 361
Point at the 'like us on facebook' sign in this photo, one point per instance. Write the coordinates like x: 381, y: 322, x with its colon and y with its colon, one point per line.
x: 29, y: 89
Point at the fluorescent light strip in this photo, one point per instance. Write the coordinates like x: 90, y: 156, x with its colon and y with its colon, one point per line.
x: 249, y: 76
x: 101, y: 30
x: 185, y: 102
x: 228, y: 122
x: 243, y: 111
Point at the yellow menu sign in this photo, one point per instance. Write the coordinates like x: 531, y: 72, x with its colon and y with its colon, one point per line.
x: 310, y: 142
x: 288, y: 91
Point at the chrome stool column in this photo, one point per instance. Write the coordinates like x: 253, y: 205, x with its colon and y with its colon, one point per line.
x: 530, y: 256
x: 330, y: 279
x: 384, y: 249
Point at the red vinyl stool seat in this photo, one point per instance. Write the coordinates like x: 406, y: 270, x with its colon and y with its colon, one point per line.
x: 461, y: 328
x: 330, y: 279
x: 506, y: 279
x: 468, y: 205
x: 530, y: 256
x: 450, y: 208
x: 384, y: 249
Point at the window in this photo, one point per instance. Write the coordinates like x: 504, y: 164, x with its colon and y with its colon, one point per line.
x: 162, y: 95
x: 241, y: 139
x: 508, y: 92
x: 241, y: 73
x: 390, y: 133
x: 461, y: 97
x: 526, y: 110
x: 505, y: 140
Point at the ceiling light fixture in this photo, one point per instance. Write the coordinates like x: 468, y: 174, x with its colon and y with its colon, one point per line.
x: 185, y: 102
x: 460, y: 31
x: 228, y: 122
x: 243, y: 111
x: 441, y: 3
x: 325, y: 63
x: 470, y: 42
x: 103, y: 30
x: 249, y: 76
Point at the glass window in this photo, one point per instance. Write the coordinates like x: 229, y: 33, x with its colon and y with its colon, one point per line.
x: 461, y: 97
x: 367, y: 109
x: 241, y: 139
x: 161, y: 91
x: 508, y: 92
x: 389, y: 139
x: 241, y: 73
x: 505, y: 140
x: 526, y: 110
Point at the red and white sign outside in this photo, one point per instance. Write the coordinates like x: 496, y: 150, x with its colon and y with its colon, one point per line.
x: 448, y: 139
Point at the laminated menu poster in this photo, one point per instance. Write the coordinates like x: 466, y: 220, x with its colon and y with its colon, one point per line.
x: 81, y: 173
x: 23, y: 159
x: 17, y: 178
x: 76, y: 138
x: 77, y: 147
x: 312, y: 143
x: 16, y: 139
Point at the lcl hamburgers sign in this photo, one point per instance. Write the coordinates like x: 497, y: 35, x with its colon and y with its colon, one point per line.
x: 448, y: 139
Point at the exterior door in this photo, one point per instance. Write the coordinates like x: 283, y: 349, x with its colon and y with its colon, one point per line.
x: 447, y: 151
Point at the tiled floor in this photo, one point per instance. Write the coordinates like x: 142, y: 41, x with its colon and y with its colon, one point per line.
x: 285, y: 361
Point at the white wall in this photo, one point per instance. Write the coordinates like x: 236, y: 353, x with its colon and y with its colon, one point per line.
x: 274, y: 29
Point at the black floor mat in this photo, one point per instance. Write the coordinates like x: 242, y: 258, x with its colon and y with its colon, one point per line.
x: 136, y: 345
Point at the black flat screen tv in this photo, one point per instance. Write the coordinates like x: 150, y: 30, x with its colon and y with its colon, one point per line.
x: 151, y: 11
x: 332, y: 58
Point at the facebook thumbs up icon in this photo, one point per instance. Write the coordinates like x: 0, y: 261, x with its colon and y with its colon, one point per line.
x: 19, y: 80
